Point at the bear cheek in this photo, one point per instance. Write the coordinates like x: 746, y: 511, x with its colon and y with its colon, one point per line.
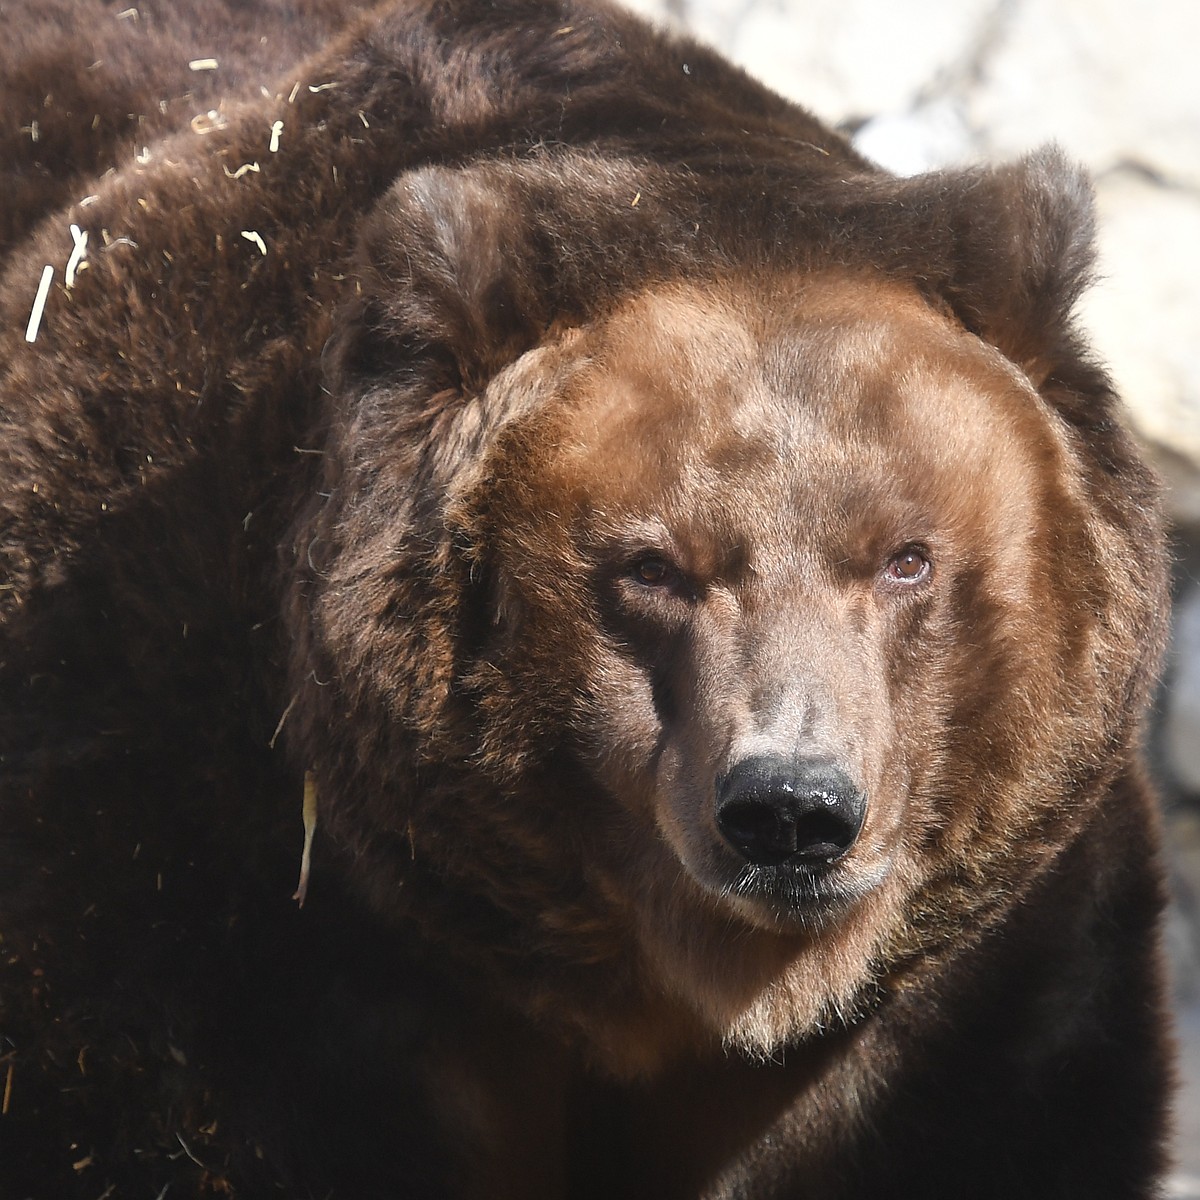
x: 621, y: 731
x: 684, y: 815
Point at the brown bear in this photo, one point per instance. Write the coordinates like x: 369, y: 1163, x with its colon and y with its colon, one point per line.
x: 691, y: 590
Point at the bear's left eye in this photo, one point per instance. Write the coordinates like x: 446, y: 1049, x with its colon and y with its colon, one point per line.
x: 910, y: 565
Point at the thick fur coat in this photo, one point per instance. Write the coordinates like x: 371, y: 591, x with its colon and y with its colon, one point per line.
x: 700, y: 583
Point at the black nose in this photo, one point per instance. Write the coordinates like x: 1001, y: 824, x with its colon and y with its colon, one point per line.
x: 775, y: 810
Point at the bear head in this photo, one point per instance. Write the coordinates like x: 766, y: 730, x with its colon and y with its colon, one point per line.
x: 669, y: 630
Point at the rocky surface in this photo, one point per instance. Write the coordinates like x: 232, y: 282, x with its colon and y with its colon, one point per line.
x: 930, y: 83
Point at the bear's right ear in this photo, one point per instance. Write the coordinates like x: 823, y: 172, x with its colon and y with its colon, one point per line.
x: 447, y: 287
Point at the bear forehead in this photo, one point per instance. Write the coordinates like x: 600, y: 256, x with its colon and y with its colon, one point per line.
x: 839, y: 392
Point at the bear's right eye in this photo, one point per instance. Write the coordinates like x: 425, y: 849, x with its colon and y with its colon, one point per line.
x: 654, y: 571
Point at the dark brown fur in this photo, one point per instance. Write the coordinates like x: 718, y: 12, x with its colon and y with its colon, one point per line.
x: 545, y: 297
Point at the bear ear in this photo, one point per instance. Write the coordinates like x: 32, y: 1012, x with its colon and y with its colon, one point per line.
x: 1021, y: 252
x: 446, y: 287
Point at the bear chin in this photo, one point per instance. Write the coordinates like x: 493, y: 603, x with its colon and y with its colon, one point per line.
x: 756, y: 979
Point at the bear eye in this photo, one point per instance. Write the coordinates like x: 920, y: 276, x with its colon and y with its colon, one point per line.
x: 910, y: 566
x: 654, y: 571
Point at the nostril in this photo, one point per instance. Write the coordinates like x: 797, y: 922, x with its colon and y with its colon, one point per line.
x: 825, y: 835
x: 759, y: 831
x: 774, y: 811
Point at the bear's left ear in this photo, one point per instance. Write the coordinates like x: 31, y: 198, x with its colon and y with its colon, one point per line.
x: 446, y: 287
x: 1020, y: 252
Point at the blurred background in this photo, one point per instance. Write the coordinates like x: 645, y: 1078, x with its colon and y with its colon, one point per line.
x: 921, y: 84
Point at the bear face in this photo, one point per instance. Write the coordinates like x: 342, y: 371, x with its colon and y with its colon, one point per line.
x: 741, y: 540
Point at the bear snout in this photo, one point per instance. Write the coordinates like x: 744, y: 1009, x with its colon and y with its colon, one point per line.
x: 775, y: 810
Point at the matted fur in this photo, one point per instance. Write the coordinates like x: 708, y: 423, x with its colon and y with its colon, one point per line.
x: 347, y: 466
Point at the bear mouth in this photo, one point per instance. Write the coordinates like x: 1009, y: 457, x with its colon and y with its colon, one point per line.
x: 798, y: 893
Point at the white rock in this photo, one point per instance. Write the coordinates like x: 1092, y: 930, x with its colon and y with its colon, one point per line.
x: 929, y: 136
x: 839, y: 58
x: 1181, y: 725
x: 1143, y: 316
x: 1110, y: 80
